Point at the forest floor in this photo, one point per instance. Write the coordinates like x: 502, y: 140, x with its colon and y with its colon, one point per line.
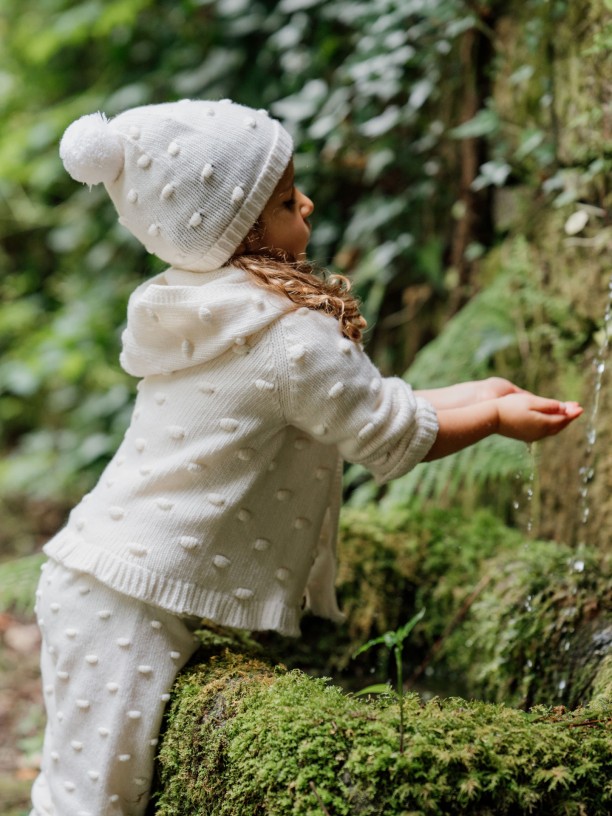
x: 21, y: 712
x: 26, y: 525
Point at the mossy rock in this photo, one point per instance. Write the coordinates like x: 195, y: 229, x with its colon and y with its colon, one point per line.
x: 245, y: 736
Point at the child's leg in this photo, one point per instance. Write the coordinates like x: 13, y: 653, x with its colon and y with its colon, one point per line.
x: 108, y: 663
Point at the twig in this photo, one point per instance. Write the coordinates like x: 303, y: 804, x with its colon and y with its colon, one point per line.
x: 548, y: 719
x: 589, y: 723
x: 464, y: 609
x: 319, y: 800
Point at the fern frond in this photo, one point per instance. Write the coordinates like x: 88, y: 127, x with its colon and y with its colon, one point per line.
x: 467, y: 473
x: 470, y: 343
x: 510, y: 328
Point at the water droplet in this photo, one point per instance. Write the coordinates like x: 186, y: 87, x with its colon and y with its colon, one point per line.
x: 578, y: 565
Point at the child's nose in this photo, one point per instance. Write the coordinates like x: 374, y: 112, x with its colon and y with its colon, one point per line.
x: 306, y: 205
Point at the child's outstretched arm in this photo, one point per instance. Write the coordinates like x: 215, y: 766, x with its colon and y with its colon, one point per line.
x: 519, y: 415
x: 468, y: 393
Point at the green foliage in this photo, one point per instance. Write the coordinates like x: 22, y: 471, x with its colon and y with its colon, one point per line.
x: 542, y: 121
x: 241, y: 738
x: 544, y: 595
x: 395, y: 562
x: 373, y: 93
x: 18, y: 579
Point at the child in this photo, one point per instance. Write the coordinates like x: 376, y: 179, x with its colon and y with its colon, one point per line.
x: 222, y: 500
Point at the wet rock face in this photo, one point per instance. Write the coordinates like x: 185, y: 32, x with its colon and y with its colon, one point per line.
x: 552, y: 80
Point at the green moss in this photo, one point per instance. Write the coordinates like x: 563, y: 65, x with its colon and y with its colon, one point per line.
x: 393, y: 563
x: 244, y: 739
x: 538, y: 631
x: 602, y: 685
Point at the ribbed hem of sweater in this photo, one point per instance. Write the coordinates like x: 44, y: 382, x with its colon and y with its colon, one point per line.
x: 178, y: 597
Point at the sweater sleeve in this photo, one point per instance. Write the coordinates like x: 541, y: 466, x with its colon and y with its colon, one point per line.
x: 336, y: 394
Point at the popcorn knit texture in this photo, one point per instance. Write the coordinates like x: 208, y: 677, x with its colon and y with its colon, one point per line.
x: 222, y: 500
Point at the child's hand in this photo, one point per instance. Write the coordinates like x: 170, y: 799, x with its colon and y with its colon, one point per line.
x: 494, y: 388
x: 528, y: 417
x: 518, y: 415
x: 468, y: 393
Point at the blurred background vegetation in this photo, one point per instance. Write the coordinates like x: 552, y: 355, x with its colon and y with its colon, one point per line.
x: 432, y: 136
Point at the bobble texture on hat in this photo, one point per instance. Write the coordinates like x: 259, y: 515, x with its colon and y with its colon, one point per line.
x: 188, y: 179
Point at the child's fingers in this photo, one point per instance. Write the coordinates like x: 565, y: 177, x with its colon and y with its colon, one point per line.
x: 529, y: 417
x: 550, y: 406
x: 573, y: 409
x: 557, y: 421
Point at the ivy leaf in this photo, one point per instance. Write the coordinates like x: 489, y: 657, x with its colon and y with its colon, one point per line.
x: 531, y: 140
x: 485, y: 123
x: 492, y: 173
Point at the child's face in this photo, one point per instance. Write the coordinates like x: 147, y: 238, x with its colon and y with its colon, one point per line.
x: 284, y: 217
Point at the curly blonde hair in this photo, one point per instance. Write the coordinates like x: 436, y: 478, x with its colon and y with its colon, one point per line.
x: 303, y: 284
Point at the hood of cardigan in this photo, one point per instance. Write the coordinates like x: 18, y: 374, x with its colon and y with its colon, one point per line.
x: 180, y: 319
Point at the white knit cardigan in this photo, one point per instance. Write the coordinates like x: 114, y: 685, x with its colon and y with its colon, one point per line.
x: 222, y: 500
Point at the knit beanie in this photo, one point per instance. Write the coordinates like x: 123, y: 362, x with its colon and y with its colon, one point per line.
x: 188, y: 179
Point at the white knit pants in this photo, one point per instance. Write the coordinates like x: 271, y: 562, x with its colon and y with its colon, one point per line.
x: 108, y: 663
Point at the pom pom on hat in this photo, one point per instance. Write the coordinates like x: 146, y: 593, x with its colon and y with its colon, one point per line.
x: 92, y: 153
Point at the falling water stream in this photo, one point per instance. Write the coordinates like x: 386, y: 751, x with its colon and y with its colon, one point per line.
x: 529, y: 491
x: 587, y: 471
x: 525, y: 503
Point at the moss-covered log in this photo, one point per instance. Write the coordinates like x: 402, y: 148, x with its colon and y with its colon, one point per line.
x: 521, y: 622
x: 243, y: 738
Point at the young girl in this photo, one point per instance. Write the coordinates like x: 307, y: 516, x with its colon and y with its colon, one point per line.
x: 222, y: 501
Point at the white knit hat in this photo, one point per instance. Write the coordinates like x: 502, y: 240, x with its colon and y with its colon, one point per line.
x: 188, y: 179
